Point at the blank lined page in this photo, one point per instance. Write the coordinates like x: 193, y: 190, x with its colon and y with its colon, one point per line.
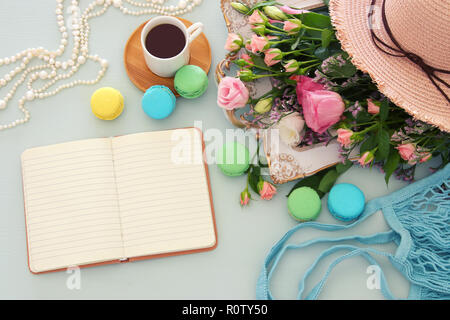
x: 163, y: 192
x: 71, y: 205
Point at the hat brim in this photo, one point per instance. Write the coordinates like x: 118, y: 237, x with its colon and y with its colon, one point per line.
x: 402, y: 81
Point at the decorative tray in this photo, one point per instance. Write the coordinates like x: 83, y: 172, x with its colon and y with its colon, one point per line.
x: 285, y: 163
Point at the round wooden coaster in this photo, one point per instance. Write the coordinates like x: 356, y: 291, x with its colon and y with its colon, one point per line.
x: 140, y: 74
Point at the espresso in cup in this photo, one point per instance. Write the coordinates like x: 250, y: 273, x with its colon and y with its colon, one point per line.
x: 166, y: 44
x: 165, y: 41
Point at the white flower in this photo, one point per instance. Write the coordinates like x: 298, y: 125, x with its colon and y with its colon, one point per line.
x: 291, y: 129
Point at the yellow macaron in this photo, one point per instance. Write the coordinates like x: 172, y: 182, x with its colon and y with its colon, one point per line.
x: 107, y: 103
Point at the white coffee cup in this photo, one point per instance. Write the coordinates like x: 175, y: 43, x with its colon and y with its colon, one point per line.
x: 167, y: 67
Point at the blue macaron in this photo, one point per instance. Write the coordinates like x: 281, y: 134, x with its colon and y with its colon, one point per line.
x: 346, y: 202
x: 158, y: 102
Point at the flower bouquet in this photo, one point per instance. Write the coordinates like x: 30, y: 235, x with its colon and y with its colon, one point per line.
x: 318, y: 96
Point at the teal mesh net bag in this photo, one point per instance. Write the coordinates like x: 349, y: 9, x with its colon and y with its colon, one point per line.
x: 419, y: 218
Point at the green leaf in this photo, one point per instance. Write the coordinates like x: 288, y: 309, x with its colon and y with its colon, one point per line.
x: 327, y: 35
x: 257, y: 60
x: 383, y: 144
x: 311, y: 182
x: 261, y: 4
x: 299, y: 38
x: 322, y: 53
x: 363, y: 117
x: 315, y: 20
x: 253, y: 178
x: 343, y: 167
x: 391, y: 165
x: 369, y: 144
x: 384, y: 110
x: 328, y: 181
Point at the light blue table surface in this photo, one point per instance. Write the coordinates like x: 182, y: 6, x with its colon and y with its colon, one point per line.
x: 244, y: 235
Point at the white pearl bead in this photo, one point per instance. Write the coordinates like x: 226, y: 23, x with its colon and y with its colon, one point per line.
x: 182, y: 4
x: 30, y: 95
x: 117, y: 3
x: 104, y: 63
x: 81, y: 60
x: 2, y: 104
x: 43, y: 74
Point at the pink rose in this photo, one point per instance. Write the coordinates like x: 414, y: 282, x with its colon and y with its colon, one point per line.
x: 304, y: 84
x: 366, y: 158
x: 232, y: 94
x: 372, y: 107
x: 247, y: 58
x: 290, y: 26
x: 272, y: 57
x: 322, y: 109
x: 258, y: 44
x: 345, y: 137
x: 425, y: 157
x: 291, y: 66
x: 234, y: 42
x: 245, y: 198
x: 266, y: 190
x: 272, y: 21
x: 248, y: 45
x: 256, y: 18
x: 289, y: 10
x: 407, y: 151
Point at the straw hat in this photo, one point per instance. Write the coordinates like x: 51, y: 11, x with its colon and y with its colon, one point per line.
x: 401, y: 51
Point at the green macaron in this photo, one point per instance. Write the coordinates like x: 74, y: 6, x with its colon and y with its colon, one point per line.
x: 304, y: 204
x: 233, y: 159
x: 191, y: 81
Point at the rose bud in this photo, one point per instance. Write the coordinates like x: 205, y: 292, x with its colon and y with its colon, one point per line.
x: 292, y: 26
x: 266, y: 190
x: 274, y: 13
x: 264, y: 105
x: 366, y: 158
x: 257, y: 17
x: 273, y: 56
x: 245, y: 197
x: 234, y: 42
x: 246, y: 75
x: 242, y: 8
x: 291, y: 66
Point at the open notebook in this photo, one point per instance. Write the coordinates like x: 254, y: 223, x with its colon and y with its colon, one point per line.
x: 117, y: 199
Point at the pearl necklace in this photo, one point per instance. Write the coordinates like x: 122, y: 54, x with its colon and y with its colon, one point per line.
x: 53, y: 70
